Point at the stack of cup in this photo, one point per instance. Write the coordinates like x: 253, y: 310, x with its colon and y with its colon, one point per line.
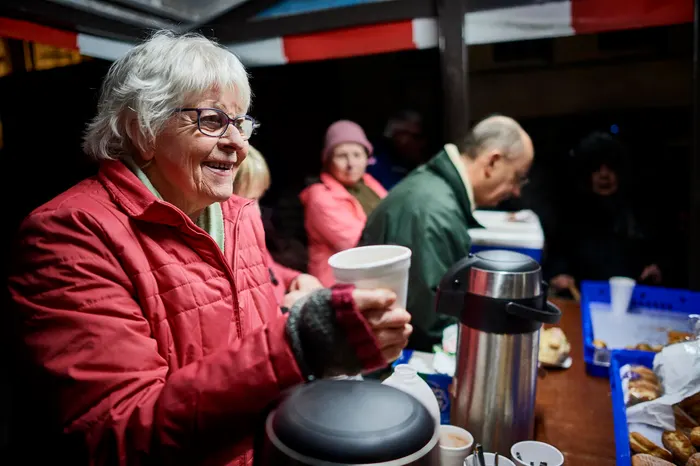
x: 368, y: 267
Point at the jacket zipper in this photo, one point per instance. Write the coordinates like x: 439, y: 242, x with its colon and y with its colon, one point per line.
x: 222, y: 259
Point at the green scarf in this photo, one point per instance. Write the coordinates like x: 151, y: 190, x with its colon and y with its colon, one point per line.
x: 368, y: 199
x: 210, y: 220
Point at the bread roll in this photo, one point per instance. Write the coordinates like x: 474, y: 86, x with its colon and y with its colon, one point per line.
x: 679, y: 445
x: 641, y: 444
x: 694, y: 460
x: 648, y: 460
x: 645, y: 374
x: 695, y: 437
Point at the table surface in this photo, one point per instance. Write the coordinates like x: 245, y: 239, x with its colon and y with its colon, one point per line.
x: 574, y: 410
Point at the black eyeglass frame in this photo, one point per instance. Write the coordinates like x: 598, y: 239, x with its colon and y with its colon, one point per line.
x: 231, y: 121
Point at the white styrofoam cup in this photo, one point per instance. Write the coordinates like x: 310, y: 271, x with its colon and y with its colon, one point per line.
x: 621, y: 289
x: 451, y: 455
x: 368, y: 267
x: 529, y: 452
x: 490, y: 459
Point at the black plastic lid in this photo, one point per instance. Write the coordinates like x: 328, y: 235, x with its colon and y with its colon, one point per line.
x: 504, y: 261
x: 352, y: 422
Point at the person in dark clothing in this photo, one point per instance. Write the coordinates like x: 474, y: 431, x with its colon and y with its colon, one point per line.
x: 400, y: 150
x: 602, y: 234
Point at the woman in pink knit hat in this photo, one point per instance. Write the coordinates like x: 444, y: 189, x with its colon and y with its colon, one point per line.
x: 336, y: 208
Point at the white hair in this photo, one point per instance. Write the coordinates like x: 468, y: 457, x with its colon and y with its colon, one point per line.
x: 496, y: 132
x: 153, y: 79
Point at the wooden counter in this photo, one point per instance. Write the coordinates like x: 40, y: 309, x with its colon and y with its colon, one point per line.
x: 574, y: 411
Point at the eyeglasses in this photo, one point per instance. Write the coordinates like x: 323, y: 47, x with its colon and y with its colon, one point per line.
x: 214, y: 122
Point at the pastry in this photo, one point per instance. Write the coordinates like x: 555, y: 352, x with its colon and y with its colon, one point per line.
x: 644, y: 347
x: 695, y: 437
x: 639, y: 391
x: 554, y: 347
x: 645, y: 374
x: 657, y: 348
x: 694, y: 460
x: 678, y: 337
x: 599, y: 344
x: 648, y: 460
x: 641, y: 444
x: 679, y: 445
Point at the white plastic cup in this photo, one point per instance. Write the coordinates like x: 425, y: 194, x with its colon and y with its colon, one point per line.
x: 536, y: 452
x: 455, y: 445
x: 621, y: 289
x: 369, y: 267
x: 490, y: 459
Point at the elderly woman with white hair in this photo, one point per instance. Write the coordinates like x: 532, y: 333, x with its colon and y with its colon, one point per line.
x: 150, y: 332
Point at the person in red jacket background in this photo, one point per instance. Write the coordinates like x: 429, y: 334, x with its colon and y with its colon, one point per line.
x: 252, y: 182
x: 336, y: 208
x: 149, y: 329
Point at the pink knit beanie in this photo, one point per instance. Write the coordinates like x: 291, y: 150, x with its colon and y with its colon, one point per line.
x: 344, y: 131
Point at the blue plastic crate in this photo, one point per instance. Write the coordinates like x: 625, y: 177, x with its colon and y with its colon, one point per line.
x: 649, y: 297
x: 617, y: 360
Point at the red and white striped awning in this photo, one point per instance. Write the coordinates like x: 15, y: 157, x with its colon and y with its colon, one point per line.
x: 531, y: 19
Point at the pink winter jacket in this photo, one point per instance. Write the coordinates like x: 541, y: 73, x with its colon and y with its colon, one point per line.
x: 147, y: 343
x: 334, y: 221
x: 284, y: 276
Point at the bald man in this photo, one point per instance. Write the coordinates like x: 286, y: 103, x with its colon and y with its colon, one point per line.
x: 430, y: 211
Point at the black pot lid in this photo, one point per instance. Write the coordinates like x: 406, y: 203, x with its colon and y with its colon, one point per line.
x: 352, y: 422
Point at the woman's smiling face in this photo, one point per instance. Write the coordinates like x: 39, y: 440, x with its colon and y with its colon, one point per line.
x: 190, y: 169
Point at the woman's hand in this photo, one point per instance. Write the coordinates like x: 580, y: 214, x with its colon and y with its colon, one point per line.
x: 562, y: 282
x: 390, y: 326
x: 292, y: 297
x: 306, y: 283
x: 651, y: 273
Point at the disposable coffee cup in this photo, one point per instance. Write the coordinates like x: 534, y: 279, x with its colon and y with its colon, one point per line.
x: 529, y: 452
x: 370, y: 267
x: 621, y: 289
x: 455, y: 445
x: 490, y: 459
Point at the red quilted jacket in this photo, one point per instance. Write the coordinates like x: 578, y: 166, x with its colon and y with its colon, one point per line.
x: 148, y: 343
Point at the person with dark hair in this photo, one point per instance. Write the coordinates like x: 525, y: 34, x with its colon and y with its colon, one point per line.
x: 400, y: 149
x: 430, y: 211
x: 601, y: 233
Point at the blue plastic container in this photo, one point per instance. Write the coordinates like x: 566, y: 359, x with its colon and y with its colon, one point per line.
x: 618, y: 359
x: 648, y: 297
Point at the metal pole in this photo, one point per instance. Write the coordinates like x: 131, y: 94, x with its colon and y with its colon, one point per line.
x: 694, y: 256
x: 455, y: 69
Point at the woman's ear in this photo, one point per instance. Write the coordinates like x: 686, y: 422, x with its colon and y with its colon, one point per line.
x: 140, y: 141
